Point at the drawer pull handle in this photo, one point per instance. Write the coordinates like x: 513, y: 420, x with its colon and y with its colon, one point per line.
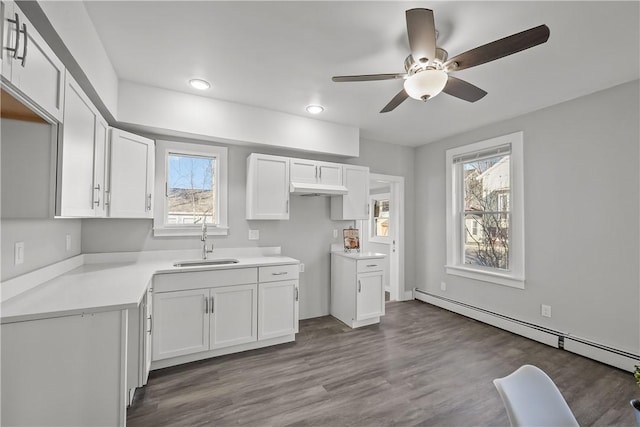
x: 359, y: 286
x: 372, y: 265
x: 14, y: 49
x: 279, y: 274
x: 206, y: 305
x: 212, y: 301
x: 297, y: 295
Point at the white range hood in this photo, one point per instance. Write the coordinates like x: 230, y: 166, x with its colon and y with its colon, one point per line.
x: 309, y: 189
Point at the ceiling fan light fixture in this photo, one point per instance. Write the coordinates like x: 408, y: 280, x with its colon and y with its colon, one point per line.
x: 199, y: 84
x: 314, y: 109
x: 425, y: 84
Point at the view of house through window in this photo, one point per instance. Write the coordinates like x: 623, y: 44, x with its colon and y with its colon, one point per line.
x: 380, y: 223
x: 191, y: 190
x: 486, y: 216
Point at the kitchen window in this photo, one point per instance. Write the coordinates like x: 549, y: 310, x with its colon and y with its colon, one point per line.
x: 191, y: 180
x: 485, y: 217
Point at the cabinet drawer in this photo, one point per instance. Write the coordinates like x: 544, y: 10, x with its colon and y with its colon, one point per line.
x: 203, y: 279
x: 278, y: 272
x: 375, y: 264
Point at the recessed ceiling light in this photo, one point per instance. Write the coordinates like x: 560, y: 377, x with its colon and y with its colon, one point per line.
x: 314, y: 109
x: 199, y: 84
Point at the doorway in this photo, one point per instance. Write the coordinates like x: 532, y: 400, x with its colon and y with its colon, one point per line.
x: 384, y: 230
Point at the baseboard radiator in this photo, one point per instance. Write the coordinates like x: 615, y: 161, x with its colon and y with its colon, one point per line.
x: 602, y: 353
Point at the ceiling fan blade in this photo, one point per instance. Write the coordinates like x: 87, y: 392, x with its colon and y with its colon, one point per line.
x: 397, y: 100
x: 422, y: 34
x: 463, y: 90
x: 501, y: 48
x: 369, y: 77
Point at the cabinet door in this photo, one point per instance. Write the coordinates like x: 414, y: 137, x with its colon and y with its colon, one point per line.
x: 8, y: 34
x: 330, y: 173
x: 37, y: 72
x: 181, y: 323
x: 77, y: 194
x: 148, y: 330
x: 277, y: 309
x: 100, y: 166
x: 370, y: 295
x: 233, y: 315
x: 267, y: 187
x: 355, y: 204
x: 304, y: 171
x: 131, y: 175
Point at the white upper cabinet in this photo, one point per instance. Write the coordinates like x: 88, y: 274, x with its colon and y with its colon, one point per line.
x: 131, y: 175
x: 313, y: 172
x: 29, y: 66
x: 355, y: 204
x: 267, y: 187
x: 81, y: 157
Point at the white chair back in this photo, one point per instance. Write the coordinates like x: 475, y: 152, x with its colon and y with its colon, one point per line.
x: 532, y: 399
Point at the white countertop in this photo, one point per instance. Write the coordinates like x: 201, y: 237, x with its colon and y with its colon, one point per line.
x: 107, y: 282
x: 359, y: 255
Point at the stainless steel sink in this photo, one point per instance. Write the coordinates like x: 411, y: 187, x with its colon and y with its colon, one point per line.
x: 205, y: 262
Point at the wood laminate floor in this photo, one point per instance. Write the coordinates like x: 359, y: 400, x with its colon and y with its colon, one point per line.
x: 421, y: 366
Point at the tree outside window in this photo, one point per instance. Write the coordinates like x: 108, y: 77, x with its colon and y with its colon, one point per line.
x: 191, y: 189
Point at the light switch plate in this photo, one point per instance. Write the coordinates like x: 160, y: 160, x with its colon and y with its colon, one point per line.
x: 68, y: 242
x: 335, y: 234
x: 254, y: 234
x: 18, y: 253
x: 443, y: 286
x: 301, y: 268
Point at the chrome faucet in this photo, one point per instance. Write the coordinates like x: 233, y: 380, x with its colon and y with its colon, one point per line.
x: 203, y: 238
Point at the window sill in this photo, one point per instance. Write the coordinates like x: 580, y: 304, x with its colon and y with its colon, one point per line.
x: 188, y: 232
x: 485, y: 276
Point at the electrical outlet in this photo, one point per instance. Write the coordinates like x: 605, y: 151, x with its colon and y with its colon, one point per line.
x: 443, y: 286
x: 18, y: 253
x: 68, y: 242
x: 545, y: 310
x: 335, y: 234
x: 254, y: 234
x: 301, y: 268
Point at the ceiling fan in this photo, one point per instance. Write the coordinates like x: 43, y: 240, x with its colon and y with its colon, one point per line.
x: 428, y: 67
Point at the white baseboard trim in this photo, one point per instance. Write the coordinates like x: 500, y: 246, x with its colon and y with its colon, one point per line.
x: 611, y: 356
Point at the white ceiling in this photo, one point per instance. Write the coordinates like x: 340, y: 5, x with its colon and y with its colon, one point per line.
x: 282, y: 55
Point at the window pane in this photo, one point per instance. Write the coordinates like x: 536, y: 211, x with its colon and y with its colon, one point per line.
x: 486, y: 241
x: 487, y: 184
x: 382, y: 227
x: 191, y: 190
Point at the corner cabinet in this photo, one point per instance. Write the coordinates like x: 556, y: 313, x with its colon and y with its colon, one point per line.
x: 267, y: 187
x: 30, y: 68
x: 82, y: 157
x: 102, y: 172
x: 131, y: 175
x: 354, y: 204
x: 357, y: 288
x: 204, y: 314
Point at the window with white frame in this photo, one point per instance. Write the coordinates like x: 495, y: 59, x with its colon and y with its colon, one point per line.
x: 380, y: 222
x: 191, y: 181
x: 485, y: 218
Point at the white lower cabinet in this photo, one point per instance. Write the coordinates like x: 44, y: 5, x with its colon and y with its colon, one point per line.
x: 69, y: 370
x: 181, y: 323
x: 197, y: 315
x: 357, y: 288
x: 278, y: 309
x: 233, y: 316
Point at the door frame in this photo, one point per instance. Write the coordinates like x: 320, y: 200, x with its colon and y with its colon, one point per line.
x: 396, y: 258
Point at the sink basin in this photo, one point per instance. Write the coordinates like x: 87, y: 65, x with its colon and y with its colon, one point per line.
x: 204, y: 262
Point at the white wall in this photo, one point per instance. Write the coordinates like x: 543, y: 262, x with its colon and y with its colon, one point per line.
x: 44, y: 243
x: 169, y: 112
x: 581, y: 219
x: 307, y: 236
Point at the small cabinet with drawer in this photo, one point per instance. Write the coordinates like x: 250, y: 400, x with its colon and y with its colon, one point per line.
x: 278, y: 298
x: 357, y: 288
